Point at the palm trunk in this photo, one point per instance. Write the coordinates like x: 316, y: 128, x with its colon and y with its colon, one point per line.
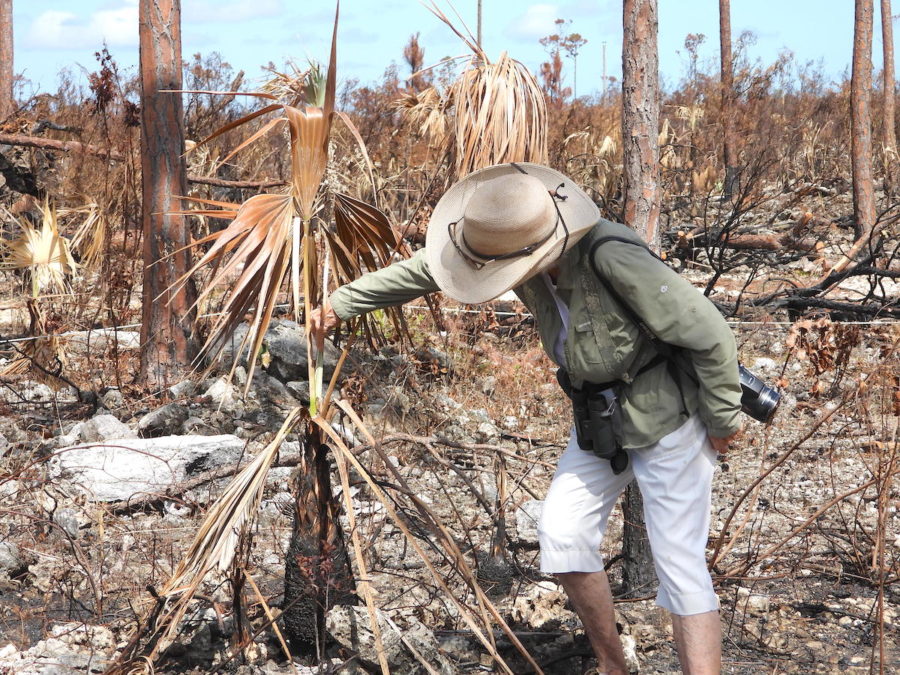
x: 317, y: 570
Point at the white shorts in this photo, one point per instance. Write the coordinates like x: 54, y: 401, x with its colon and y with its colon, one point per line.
x: 675, y: 478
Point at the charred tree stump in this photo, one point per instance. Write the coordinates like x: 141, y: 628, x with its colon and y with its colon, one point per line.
x: 317, y: 572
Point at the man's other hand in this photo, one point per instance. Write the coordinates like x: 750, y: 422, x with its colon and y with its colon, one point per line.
x: 723, y: 445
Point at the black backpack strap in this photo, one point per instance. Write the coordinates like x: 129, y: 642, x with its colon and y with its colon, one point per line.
x: 664, y: 351
x: 661, y: 347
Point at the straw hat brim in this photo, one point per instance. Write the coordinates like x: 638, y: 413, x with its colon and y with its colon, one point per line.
x: 466, y: 283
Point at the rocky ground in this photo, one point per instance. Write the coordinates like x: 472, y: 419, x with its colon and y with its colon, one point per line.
x: 89, y: 516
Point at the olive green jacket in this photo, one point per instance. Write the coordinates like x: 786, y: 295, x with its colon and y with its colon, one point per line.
x: 602, y: 343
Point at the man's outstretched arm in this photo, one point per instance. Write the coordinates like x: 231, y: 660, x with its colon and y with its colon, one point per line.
x: 392, y: 285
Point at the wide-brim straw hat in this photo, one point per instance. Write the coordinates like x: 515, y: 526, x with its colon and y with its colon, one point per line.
x: 501, y: 225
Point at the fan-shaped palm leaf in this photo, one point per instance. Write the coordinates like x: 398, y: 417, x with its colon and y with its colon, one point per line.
x: 89, y: 238
x: 43, y: 253
x: 250, y: 257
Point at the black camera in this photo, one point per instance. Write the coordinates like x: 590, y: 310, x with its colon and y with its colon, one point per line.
x: 758, y: 400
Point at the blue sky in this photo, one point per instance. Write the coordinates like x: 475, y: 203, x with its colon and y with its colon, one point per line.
x: 53, y: 34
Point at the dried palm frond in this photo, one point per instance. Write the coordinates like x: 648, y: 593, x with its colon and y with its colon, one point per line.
x: 500, y: 114
x: 594, y: 161
x: 692, y: 114
x: 363, y: 240
x: 426, y: 110
x: 299, y: 86
x: 480, y: 617
x: 212, y: 550
x: 668, y: 158
x: 251, y: 257
x: 43, y: 253
x: 44, y: 357
x: 310, y: 129
x: 89, y: 238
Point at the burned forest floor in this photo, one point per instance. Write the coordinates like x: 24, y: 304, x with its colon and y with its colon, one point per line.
x: 103, y: 486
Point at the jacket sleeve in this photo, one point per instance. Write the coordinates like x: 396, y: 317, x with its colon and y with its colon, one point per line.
x: 392, y: 285
x: 680, y: 315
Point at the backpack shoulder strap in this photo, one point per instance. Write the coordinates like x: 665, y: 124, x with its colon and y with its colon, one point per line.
x: 665, y: 353
x: 661, y: 347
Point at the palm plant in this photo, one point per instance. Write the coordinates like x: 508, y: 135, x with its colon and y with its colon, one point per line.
x: 45, y: 258
x: 273, y: 240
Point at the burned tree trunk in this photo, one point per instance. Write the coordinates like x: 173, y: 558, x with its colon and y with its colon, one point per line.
x: 640, y: 118
x: 640, y: 134
x: 167, y: 346
x: 7, y: 103
x: 729, y: 151
x: 861, y: 120
x: 889, y: 134
x: 317, y: 570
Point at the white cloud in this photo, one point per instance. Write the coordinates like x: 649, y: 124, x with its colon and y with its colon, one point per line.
x: 234, y: 11
x: 54, y: 29
x: 536, y: 22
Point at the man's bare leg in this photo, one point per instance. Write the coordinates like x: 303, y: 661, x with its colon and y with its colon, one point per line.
x: 590, y: 594
x: 698, y: 639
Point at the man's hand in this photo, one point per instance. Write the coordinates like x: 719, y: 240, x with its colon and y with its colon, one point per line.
x: 723, y: 445
x: 320, y: 324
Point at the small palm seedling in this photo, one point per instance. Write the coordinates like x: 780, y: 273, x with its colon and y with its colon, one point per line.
x: 42, y: 254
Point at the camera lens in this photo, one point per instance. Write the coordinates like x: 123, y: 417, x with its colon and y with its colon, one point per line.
x: 767, y: 402
x: 758, y: 400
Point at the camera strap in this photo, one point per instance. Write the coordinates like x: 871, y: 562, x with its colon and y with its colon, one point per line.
x: 664, y: 351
